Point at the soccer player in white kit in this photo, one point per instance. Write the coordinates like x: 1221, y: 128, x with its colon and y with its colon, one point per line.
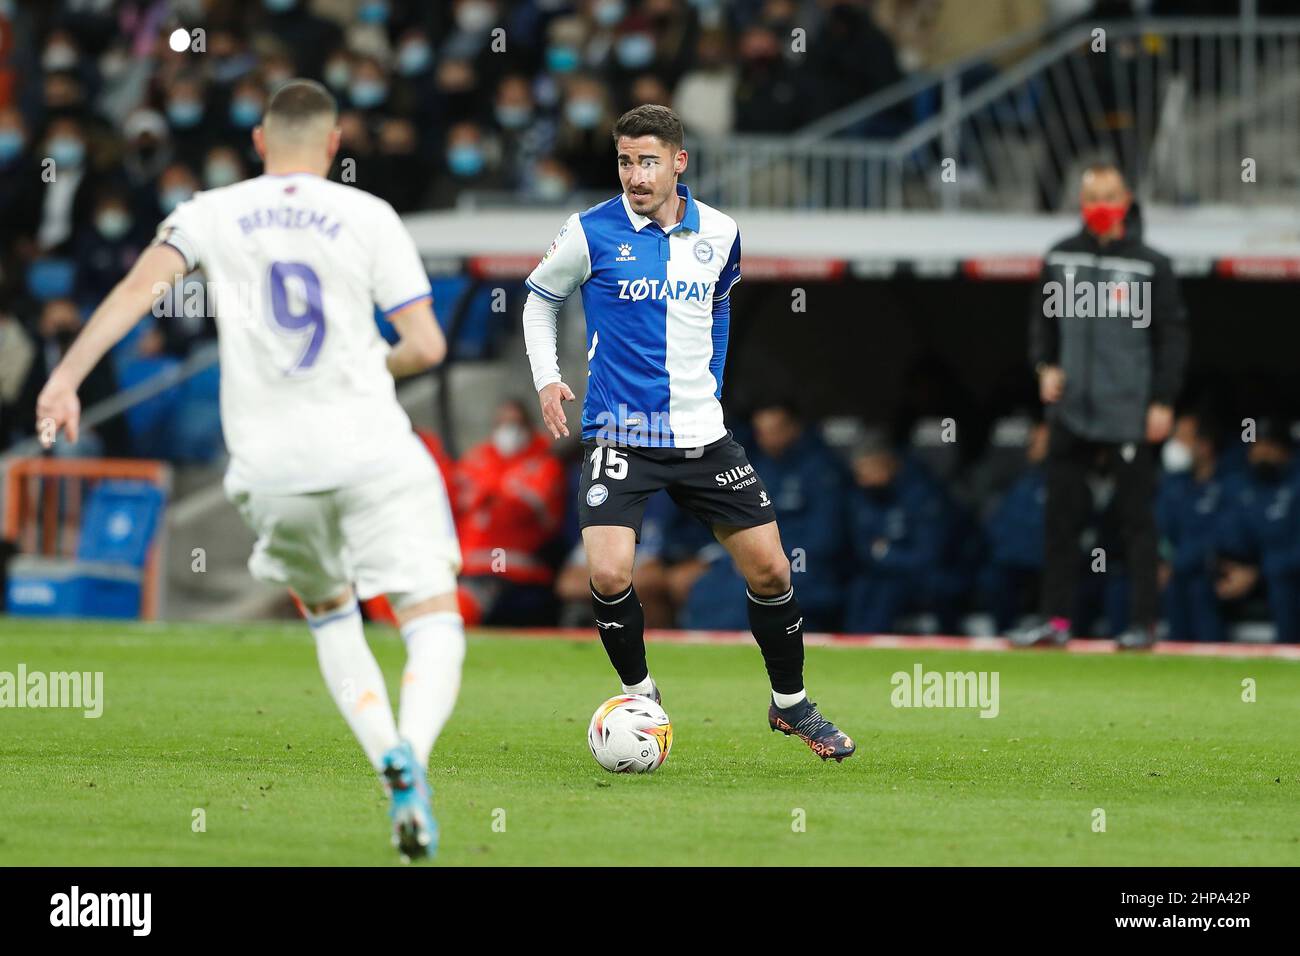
x: 324, y: 466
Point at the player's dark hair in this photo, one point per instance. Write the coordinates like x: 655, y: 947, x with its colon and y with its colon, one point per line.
x: 651, y: 120
x: 301, y: 101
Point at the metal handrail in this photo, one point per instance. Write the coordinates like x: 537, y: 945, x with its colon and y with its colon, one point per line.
x: 975, y: 119
x: 201, y: 359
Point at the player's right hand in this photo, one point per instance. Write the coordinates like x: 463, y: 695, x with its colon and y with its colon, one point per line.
x: 552, y: 398
x: 57, y: 409
x: 1051, y: 384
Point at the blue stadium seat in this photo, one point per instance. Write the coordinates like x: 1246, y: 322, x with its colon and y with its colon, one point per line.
x: 119, y: 522
x: 196, y: 420
x: 149, y: 421
x: 51, y: 278
x: 105, y: 579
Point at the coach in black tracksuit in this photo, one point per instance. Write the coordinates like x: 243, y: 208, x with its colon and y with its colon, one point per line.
x: 1108, y: 340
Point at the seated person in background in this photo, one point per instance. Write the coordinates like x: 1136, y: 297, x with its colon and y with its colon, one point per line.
x: 509, y: 497
x: 809, y: 488
x: 896, y: 523
x: 672, y: 555
x: 107, y: 248
x: 1191, y: 502
x: 59, y: 324
x: 1015, y: 538
x: 1263, y: 530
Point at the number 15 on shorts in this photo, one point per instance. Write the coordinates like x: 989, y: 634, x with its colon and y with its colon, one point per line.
x: 614, y: 461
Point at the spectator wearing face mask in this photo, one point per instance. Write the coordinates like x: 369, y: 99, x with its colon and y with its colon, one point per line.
x: 470, y: 39
x: 635, y: 51
x: 1262, y: 538
x: 526, y: 135
x: 510, y: 498
x: 176, y: 185
x: 188, y: 118
x: 67, y: 197
x: 223, y: 166
x: 106, y: 250
x: 62, y: 54
x: 1191, y: 513
x: 337, y: 73
x: 567, y: 39
x: 242, y: 113
x: 551, y: 182
x: 584, y: 135
x: 470, y: 162
x: 368, y: 90
x: 414, y: 81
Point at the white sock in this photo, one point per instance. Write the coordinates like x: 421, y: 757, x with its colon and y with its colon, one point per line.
x: 435, y: 650
x: 646, y: 688
x: 353, y: 677
x: 789, y: 700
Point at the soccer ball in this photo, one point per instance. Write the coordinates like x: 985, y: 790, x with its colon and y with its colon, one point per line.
x: 630, y: 734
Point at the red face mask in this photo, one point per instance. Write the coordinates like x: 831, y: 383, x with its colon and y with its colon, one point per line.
x: 1101, y: 217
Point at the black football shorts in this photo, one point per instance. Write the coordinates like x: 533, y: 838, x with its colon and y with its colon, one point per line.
x: 715, y: 483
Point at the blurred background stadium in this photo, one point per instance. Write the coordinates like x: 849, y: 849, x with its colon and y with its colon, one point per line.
x: 897, y: 167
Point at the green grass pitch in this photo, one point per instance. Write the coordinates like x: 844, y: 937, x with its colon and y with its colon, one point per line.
x: 235, y: 721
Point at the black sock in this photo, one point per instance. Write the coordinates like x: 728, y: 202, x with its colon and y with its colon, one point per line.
x: 621, y: 621
x: 777, y: 624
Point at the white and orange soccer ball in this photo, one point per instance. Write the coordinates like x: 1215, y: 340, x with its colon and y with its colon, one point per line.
x: 630, y: 734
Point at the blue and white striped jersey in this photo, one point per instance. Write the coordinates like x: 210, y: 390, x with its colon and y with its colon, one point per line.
x: 657, y: 315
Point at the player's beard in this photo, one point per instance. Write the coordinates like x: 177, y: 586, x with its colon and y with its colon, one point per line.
x: 659, y: 201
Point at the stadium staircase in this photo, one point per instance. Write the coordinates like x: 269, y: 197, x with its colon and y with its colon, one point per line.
x: 1179, y: 102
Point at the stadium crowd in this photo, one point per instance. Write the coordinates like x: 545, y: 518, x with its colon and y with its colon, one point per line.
x: 885, y: 538
x: 434, y: 104
x: 431, y: 109
x: 105, y: 128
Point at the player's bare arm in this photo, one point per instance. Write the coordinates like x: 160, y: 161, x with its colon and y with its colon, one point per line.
x: 422, y: 344
x: 129, y: 301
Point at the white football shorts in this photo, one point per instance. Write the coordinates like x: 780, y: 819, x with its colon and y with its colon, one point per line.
x: 393, y: 535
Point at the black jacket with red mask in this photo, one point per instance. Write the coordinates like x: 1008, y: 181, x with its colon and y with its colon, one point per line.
x: 1112, y: 317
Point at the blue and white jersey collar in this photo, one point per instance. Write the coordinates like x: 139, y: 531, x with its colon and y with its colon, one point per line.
x: 690, y: 220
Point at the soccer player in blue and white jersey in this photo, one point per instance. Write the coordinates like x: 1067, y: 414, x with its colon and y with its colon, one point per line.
x: 324, y: 466
x: 655, y: 269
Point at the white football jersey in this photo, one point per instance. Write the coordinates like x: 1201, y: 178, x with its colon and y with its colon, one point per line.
x: 297, y: 264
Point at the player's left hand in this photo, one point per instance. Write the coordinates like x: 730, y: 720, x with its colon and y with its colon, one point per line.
x: 1160, y: 421
x: 57, y: 409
